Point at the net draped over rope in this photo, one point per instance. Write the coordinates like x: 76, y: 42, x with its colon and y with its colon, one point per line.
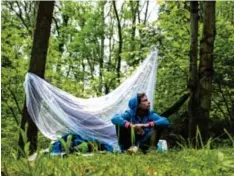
x: 56, y: 112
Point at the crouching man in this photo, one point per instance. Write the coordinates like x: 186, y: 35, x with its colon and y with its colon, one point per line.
x: 140, y: 118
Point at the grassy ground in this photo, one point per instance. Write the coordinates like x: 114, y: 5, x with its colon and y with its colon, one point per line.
x: 172, y: 163
x: 180, y: 162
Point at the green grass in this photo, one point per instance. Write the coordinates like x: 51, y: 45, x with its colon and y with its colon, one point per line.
x: 175, y: 162
x: 185, y: 161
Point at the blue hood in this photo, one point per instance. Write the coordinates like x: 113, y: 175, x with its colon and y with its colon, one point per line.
x: 133, y: 103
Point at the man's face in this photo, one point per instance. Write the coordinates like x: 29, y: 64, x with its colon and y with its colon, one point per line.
x: 144, y: 104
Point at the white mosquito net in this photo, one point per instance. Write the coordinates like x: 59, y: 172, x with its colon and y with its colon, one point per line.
x: 56, y: 112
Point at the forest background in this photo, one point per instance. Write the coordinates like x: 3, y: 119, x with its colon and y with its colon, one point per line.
x: 96, y: 45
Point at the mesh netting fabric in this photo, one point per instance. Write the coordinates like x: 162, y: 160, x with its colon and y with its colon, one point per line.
x: 56, y: 112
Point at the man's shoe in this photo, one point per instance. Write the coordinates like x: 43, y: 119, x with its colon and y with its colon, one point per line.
x: 132, y: 150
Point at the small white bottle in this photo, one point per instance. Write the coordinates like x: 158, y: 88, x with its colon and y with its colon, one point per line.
x: 162, y: 145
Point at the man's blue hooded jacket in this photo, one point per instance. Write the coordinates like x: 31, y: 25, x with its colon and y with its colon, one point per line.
x: 130, y: 116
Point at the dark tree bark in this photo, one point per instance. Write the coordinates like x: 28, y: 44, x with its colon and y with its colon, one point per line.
x: 232, y: 113
x: 120, y: 42
x: 37, y: 65
x: 193, y: 64
x: 205, y: 75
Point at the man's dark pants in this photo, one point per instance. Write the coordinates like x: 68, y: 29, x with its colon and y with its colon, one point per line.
x: 125, y: 140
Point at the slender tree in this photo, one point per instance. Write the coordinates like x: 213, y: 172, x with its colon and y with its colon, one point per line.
x: 101, y: 58
x: 203, y: 91
x: 37, y: 64
x: 193, y: 63
x: 120, y: 42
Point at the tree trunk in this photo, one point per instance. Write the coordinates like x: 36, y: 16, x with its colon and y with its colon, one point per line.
x: 62, y: 40
x: 109, y: 67
x: 193, y: 63
x: 120, y: 42
x: 232, y: 113
x: 101, y: 59
x: 37, y: 65
x: 204, y: 84
x: 134, y: 8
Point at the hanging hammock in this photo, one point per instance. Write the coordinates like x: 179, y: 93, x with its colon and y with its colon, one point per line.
x: 56, y: 112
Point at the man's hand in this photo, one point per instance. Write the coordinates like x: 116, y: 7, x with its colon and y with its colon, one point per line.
x: 138, y: 129
x: 142, y: 125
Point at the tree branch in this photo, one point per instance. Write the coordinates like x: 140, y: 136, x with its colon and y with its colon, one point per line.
x: 146, y: 12
x: 56, y: 24
x: 12, y: 111
x: 175, y: 107
x: 21, y: 18
x: 16, y: 102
